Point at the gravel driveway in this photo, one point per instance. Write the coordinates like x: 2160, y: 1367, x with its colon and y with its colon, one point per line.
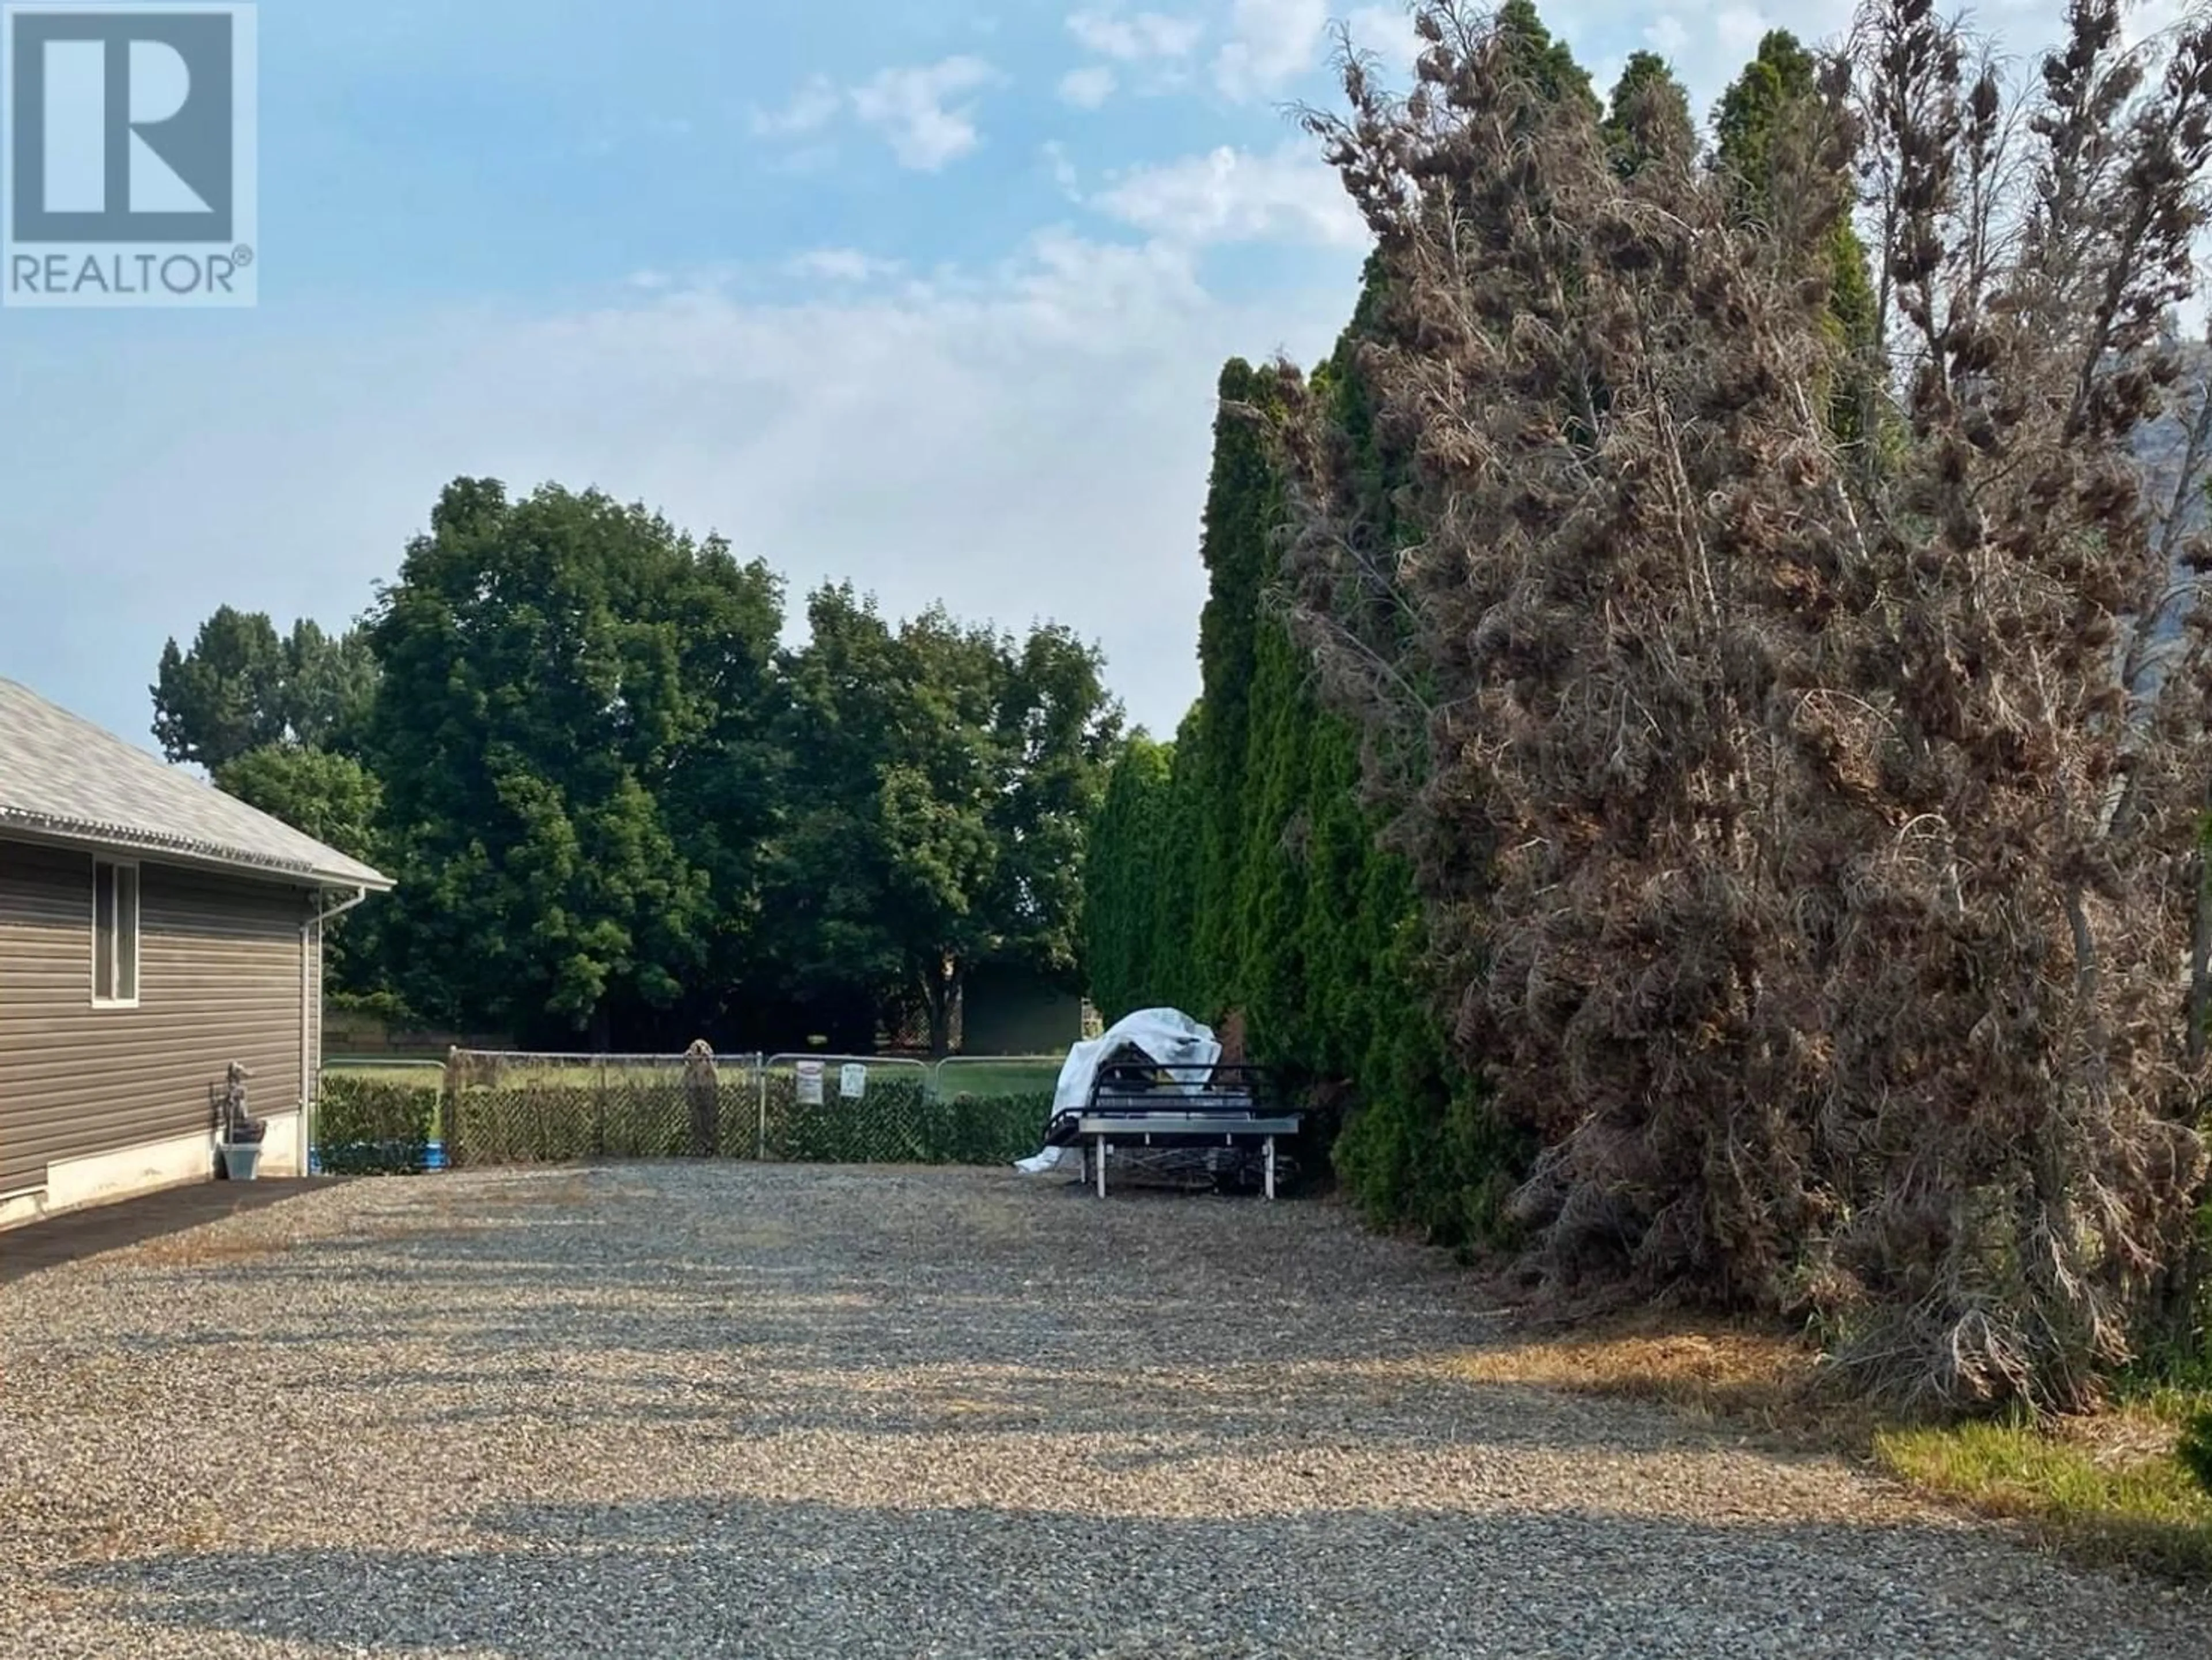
x: 691, y: 1411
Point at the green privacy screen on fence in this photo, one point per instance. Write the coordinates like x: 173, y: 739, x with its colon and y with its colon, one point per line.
x: 484, y: 1108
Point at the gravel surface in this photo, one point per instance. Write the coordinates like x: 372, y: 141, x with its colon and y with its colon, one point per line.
x: 689, y: 1411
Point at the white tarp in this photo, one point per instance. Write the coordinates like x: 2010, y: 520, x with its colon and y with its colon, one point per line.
x: 1170, y: 1036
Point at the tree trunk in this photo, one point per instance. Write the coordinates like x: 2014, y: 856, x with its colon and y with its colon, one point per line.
x: 602, y: 1030
x: 943, y: 990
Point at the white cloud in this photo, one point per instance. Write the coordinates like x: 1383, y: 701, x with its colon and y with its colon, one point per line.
x: 924, y: 111
x: 1063, y: 170
x: 1032, y: 438
x: 1132, y: 39
x: 2148, y: 18
x: 1665, y: 35
x: 1235, y: 196
x: 842, y: 266
x: 811, y: 108
x: 917, y: 110
x: 1738, y: 29
x: 1272, y: 43
x: 1089, y: 87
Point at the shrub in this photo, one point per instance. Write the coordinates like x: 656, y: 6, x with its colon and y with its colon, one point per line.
x: 986, y: 1129
x: 2195, y: 1450
x: 370, y: 1126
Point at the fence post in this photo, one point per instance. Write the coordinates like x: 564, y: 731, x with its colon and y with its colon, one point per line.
x: 449, y: 1107
x: 600, y: 1115
x: 760, y: 1151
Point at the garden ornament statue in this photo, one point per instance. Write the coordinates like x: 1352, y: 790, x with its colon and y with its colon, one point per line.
x: 702, y: 1091
x: 241, y: 1137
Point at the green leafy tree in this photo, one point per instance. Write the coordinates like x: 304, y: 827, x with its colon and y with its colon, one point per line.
x: 243, y: 686
x: 2196, y: 1448
x: 336, y: 800
x: 333, y: 798
x: 328, y: 689
x: 225, y: 696
x: 949, y: 777
x: 1057, y: 730
x: 558, y: 672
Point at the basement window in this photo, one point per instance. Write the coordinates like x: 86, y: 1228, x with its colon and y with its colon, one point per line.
x: 114, y: 934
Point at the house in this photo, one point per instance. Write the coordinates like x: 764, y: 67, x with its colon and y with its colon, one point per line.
x: 1008, y: 1009
x: 153, y: 930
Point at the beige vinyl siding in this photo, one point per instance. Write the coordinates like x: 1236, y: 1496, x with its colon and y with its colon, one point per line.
x: 220, y: 971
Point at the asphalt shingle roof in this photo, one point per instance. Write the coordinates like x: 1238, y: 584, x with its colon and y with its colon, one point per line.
x: 61, y: 775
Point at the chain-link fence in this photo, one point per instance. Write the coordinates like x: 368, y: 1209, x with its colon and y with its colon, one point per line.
x: 847, y: 1109
x: 519, y: 1108
x: 485, y: 1107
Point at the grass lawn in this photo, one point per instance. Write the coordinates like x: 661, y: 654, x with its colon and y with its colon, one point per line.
x: 2108, y: 1487
x: 973, y: 1075
x: 982, y: 1075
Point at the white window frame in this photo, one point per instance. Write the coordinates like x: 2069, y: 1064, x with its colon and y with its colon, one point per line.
x: 102, y: 996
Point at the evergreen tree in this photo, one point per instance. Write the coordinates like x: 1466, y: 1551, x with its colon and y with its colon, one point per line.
x: 1768, y: 128
x: 1648, y: 116
x: 1547, y: 64
x: 1243, y: 510
x: 1123, y: 901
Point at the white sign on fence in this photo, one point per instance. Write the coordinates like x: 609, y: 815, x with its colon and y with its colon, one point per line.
x: 853, y: 1082
x: 810, y: 1082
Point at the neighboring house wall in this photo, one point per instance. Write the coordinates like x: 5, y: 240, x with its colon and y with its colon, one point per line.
x: 1009, y: 1011
x: 96, y: 1101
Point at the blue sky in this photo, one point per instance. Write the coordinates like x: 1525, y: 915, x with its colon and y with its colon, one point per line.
x: 931, y: 296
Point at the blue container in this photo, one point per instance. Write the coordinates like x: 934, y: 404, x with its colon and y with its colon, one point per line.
x: 434, y: 1156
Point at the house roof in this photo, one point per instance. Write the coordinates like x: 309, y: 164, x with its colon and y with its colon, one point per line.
x: 62, y: 777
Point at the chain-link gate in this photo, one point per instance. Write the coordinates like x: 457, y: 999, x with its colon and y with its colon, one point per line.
x: 847, y: 1110
x: 505, y: 1108
x: 1000, y: 1103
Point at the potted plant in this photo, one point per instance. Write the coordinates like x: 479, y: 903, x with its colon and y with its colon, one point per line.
x: 238, y: 1139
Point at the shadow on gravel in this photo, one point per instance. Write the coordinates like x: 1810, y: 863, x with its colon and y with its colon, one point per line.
x: 76, y: 1235
x: 744, y: 1578
x: 1071, y: 1318
x: 1019, y: 1309
x: 924, y: 1340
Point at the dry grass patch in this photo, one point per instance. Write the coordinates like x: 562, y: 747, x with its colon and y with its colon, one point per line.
x: 1751, y: 1378
x: 199, y: 1249
x: 2105, y: 1490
